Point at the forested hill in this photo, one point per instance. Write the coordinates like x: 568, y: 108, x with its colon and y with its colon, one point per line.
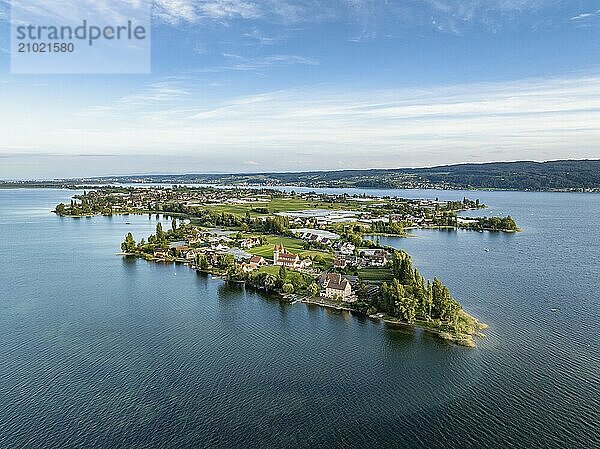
x: 554, y: 175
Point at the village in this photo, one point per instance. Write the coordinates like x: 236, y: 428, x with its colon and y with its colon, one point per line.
x: 338, y: 281
x: 305, y: 210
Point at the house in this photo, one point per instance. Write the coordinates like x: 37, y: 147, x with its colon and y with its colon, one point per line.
x: 178, y: 244
x: 340, y: 262
x: 316, y: 235
x: 283, y: 258
x: 191, y: 255
x: 161, y: 253
x: 345, y: 248
x: 334, y: 286
x: 211, y: 257
x: 183, y: 251
x: 250, y: 242
x: 375, y: 257
x: 253, y: 264
x: 257, y: 261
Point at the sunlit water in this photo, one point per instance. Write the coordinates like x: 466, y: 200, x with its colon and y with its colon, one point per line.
x: 105, y: 352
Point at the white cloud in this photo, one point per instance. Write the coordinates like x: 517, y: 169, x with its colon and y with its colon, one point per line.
x: 174, y: 11
x: 162, y: 91
x: 258, y: 63
x: 581, y: 16
x: 74, y: 11
x: 584, y: 16
x: 229, y: 9
x: 533, y: 119
x: 370, y: 18
x: 241, y: 63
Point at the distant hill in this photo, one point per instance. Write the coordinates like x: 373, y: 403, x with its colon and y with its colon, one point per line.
x: 553, y: 175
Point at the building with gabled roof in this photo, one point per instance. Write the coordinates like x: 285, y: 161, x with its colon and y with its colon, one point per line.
x: 334, y: 286
x: 283, y: 258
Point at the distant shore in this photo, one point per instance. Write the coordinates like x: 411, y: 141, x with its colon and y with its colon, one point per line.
x: 50, y: 185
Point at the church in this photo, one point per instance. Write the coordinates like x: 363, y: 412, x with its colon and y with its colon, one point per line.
x: 286, y: 259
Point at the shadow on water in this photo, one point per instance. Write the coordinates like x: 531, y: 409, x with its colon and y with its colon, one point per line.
x: 129, y: 261
x: 202, y: 276
x: 405, y: 330
x: 360, y: 317
x: 269, y: 296
x: 231, y: 291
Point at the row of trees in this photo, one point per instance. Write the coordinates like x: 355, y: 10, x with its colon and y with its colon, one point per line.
x: 389, y: 227
x: 497, y: 223
x: 270, y: 225
x: 410, y: 297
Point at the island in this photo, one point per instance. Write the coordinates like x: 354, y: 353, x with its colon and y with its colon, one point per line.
x: 306, y: 247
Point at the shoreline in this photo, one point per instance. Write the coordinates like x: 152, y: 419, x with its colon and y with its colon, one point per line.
x: 464, y: 340
x: 15, y: 186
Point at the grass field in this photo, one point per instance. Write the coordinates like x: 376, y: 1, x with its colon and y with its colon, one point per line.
x: 293, y: 245
x: 280, y: 205
x: 271, y: 269
x: 239, y: 209
x: 375, y: 274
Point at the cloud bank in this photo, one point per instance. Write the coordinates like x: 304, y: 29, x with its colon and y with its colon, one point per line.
x: 323, y: 128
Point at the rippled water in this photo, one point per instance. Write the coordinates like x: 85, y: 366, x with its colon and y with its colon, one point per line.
x: 100, y: 351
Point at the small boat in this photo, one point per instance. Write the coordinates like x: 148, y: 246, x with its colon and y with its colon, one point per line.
x: 553, y: 310
x: 487, y: 250
x: 127, y: 223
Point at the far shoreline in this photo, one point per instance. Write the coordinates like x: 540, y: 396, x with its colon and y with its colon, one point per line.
x: 62, y: 186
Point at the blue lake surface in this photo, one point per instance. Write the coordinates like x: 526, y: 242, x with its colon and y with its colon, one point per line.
x: 98, y: 351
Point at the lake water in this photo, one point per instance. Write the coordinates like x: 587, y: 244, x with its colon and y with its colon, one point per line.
x: 105, y: 352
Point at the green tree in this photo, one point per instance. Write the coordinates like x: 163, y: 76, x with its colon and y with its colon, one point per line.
x: 313, y: 289
x: 270, y: 282
x: 226, y: 261
x: 202, y: 262
x: 288, y: 288
x: 406, y: 275
x: 282, y: 273
x: 160, y: 235
x: 128, y: 246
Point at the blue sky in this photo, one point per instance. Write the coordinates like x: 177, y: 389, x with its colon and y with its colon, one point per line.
x: 281, y: 85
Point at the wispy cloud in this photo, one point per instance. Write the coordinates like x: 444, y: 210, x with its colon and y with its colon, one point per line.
x: 242, y: 63
x: 369, y: 18
x: 174, y: 11
x: 255, y: 35
x: 158, y: 92
x: 327, y: 128
x: 74, y: 11
x: 585, y: 16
